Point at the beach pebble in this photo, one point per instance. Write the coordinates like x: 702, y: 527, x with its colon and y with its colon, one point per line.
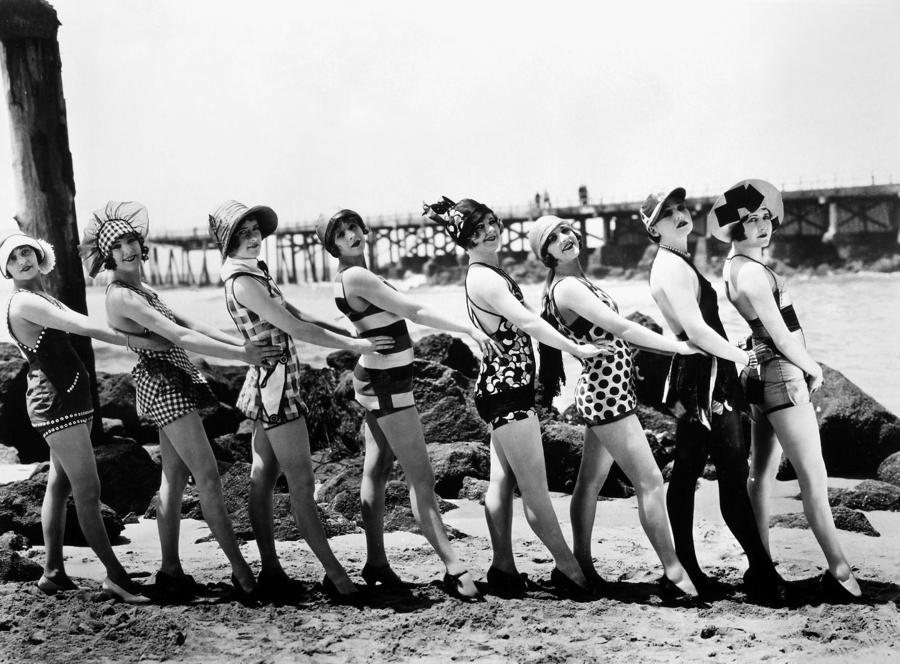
x: 708, y: 631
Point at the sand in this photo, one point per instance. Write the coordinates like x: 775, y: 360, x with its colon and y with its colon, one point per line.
x: 633, y: 625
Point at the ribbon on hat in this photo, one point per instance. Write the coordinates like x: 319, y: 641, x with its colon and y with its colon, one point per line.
x: 743, y: 197
x: 458, y: 219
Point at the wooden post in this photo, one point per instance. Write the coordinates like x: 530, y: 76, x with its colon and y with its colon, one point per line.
x: 42, y: 163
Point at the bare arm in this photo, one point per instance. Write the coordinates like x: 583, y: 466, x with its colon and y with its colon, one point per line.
x: 493, y: 291
x: 39, y: 311
x: 302, y: 315
x: 576, y: 296
x: 753, y: 282
x: 253, y: 295
x: 678, y: 283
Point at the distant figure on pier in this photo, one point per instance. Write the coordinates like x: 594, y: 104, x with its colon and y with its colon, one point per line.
x: 546, y: 202
x: 583, y: 195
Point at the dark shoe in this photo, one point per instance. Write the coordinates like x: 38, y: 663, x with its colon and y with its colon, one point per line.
x: 835, y: 593
x: 337, y: 597
x: 767, y: 588
x: 597, y: 583
x: 241, y: 596
x: 172, y: 587
x: 277, y: 587
x: 384, y: 575
x: 506, y: 585
x: 568, y: 589
x: 672, y: 594
x: 451, y: 587
x: 52, y: 586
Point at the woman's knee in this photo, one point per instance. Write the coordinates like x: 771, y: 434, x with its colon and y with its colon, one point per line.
x: 648, y: 481
x: 87, y: 492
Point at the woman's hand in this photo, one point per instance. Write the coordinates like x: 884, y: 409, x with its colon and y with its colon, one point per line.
x: 377, y: 344
x: 587, y: 351
x: 815, y: 380
x: 148, y: 342
x: 489, y: 348
x: 261, y: 353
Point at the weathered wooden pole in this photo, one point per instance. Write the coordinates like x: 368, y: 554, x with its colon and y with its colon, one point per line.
x: 42, y: 163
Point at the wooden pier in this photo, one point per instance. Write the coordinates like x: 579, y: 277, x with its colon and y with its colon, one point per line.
x: 812, y: 217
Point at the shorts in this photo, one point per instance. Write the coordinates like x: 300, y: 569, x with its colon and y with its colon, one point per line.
x: 779, y: 384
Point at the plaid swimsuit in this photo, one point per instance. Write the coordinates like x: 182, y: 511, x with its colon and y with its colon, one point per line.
x: 271, y: 395
x: 168, y: 385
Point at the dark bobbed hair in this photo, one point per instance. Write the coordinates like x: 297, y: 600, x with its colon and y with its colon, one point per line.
x: 738, y: 234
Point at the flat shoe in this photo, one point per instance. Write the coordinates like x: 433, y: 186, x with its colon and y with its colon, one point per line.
x: 506, y: 585
x: 51, y: 587
x: 173, y: 586
x: 451, y: 587
x: 569, y: 589
x: 384, y: 575
x: 118, y: 592
x: 772, y: 590
x: 353, y: 598
x: 834, y: 591
x: 277, y: 587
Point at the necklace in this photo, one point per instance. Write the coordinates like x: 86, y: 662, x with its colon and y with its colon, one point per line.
x: 684, y: 254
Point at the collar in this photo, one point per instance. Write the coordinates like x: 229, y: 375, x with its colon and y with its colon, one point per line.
x: 232, y: 266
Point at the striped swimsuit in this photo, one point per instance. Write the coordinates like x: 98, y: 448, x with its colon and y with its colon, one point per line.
x: 271, y: 395
x: 382, y: 381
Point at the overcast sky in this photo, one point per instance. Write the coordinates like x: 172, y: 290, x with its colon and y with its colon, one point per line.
x: 379, y: 105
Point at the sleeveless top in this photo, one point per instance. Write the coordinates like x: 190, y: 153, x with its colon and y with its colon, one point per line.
x: 382, y: 380
x: 785, y: 307
x: 58, y: 393
x: 270, y: 394
x: 506, y: 381
x: 700, y: 380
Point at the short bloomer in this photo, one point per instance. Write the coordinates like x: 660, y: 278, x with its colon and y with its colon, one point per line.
x: 779, y: 384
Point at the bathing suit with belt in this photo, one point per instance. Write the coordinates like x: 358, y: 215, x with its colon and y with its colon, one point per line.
x: 382, y: 381
x: 779, y: 383
x: 168, y: 386
x: 504, y: 389
x: 605, y: 390
x: 704, y: 384
x: 59, y: 393
x: 270, y: 394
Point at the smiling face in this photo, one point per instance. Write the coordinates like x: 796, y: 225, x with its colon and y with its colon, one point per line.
x: 246, y: 242
x: 757, y: 227
x: 487, y: 234
x: 349, y: 238
x: 563, y: 244
x: 127, y: 252
x: 675, y: 221
x: 23, y: 263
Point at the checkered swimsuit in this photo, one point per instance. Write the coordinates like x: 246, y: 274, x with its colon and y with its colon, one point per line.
x: 605, y: 389
x: 284, y: 377
x: 381, y: 381
x: 168, y: 385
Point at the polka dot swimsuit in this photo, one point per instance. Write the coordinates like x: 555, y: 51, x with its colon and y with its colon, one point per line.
x: 605, y: 389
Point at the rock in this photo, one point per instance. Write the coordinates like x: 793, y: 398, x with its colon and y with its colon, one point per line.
x: 857, y: 432
x: 128, y: 476
x: 220, y: 419
x: 15, y: 427
x: 233, y: 447
x: 113, y: 427
x: 342, y: 360
x: 844, y: 518
x: 473, y: 489
x: 20, y: 511
x: 709, y: 472
x: 8, y: 455
x: 889, y: 469
x: 14, y: 541
x: 333, y: 422
x: 444, y: 399
x: 14, y: 567
x: 116, y: 396
x: 651, y: 369
x: 397, y: 511
x: 571, y: 416
x: 226, y: 380
x: 454, y: 461
x: 867, y: 496
x: 562, y: 455
x: 447, y: 350
x: 155, y: 454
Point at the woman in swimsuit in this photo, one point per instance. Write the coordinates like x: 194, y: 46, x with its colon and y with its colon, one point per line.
x: 271, y: 396
x: 504, y: 396
x: 60, y: 409
x: 383, y: 386
x: 778, y: 390
x: 604, y: 396
x: 710, y: 393
x: 170, y: 390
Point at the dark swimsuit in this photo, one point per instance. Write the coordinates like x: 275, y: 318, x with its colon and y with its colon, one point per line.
x: 779, y: 383
x: 504, y: 390
x: 605, y: 389
x: 59, y: 392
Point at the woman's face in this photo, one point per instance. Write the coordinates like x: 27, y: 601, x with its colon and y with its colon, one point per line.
x: 126, y: 252
x: 757, y: 228
x: 563, y: 244
x: 22, y: 263
x: 674, y: 220
x: 247, y: 239
x: 349, y: 238
x: 487, y: 234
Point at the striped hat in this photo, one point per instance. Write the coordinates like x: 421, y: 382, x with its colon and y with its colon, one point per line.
x: 224, y: 220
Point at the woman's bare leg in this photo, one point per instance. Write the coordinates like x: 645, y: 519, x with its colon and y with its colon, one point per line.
x: 263, y: 476
x: 377, y: 464
x: 53, y: 521
x: 765, y: 453
x: 173, y: 480
x: 592, y: 473
x: 498, y: 510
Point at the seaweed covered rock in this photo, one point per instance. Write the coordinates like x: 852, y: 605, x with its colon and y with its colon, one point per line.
x: 453, y: 462
x: 867, y: 496
x: 128, y: 476
x: 444, y: 399
x: 447, y: 350
x: 889, y: 469
x: 844, y: 518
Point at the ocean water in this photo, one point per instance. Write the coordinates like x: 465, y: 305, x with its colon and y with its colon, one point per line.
x: 851, y: 321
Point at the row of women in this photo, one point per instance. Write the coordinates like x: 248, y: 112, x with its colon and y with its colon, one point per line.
x: 576, y: 317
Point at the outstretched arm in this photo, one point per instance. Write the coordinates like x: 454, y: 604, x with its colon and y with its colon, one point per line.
x: 253, y: 295
x: 576, y: 296
x: 37, y: 310
x: 304, y: 316
x: 753, y: 282
x: 679, y: 283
